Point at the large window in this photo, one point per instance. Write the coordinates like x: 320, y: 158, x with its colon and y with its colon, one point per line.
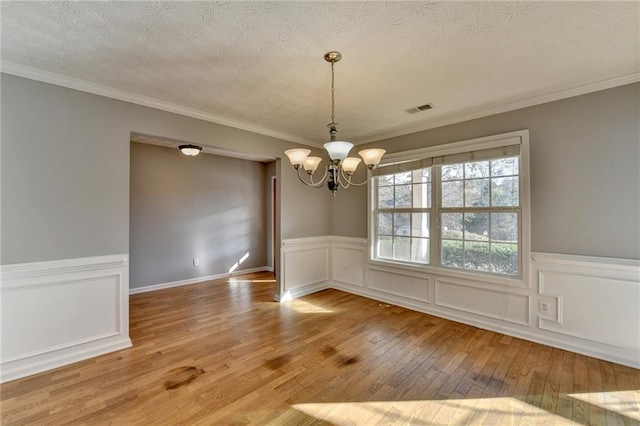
x: 403, y: 215
x: 460, y: 210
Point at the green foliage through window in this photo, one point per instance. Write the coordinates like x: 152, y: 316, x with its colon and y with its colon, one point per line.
x: 478, y: 213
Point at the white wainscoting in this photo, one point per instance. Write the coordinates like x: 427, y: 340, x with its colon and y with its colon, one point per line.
x: 486, y: 302
x: 304, y: 266
x: 59, y: 312
x: 345, y: 254
x: 594, y: 303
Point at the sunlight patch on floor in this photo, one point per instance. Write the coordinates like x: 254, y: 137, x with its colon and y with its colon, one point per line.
x: 626, y: 403
x: 438, y: 412
x: 302, y: 306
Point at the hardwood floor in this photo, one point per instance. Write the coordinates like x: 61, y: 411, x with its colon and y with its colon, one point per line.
x: 222, y: 352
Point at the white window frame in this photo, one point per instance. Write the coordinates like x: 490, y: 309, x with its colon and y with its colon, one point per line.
x: 521, y: 138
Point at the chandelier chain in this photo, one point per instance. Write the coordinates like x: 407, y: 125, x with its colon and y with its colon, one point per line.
x: 333, y: 96
x: 339, y: 171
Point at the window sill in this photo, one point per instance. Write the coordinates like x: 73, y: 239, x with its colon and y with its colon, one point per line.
x: 430, y: 270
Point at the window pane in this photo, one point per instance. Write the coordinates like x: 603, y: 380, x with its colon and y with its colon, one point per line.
x: 504, y: 227
x: 420, y: 225
x: 476, y: 256
x: 504, y: 167
x: 452, y: 194
x: 403, y: 196
x: 476, y: 192
x: 402, y: 248
x: 476, y: 169
x: 451, y: 226
x: 385, y: 197
x: 505, y: 191
x: 453, y: 171
x: 422, y: 175
x: 402, y: 224
x: 420, y: 250
x: 476, y: 226
x: 404, y: 177
x: 385, y: 247
x: 504, y: 258
x: 477, y: 237
x: 385, y: 223
x: 452, y: 254
x: 422, y: 195
x: 385, y: 180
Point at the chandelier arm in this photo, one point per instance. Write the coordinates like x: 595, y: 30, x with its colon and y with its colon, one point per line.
x: 346, y: 178
x: 311, y: 183
x: 342, y: 184
x: 321, y: 181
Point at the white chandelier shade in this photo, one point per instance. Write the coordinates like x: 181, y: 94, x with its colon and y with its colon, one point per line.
x: 297, y: 156
x: 341, y: 167
x: 338, y: 150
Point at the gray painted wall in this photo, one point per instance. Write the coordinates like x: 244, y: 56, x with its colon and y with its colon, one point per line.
x: 65, y: 171
x: 207, y: 207
x: 585, y: 179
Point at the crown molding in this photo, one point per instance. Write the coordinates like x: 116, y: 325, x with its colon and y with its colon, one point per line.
x: 98, y: 89
x: 479, y: 112
x: 487, y: 110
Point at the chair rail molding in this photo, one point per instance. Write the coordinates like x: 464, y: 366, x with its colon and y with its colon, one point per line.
x: 58, y: 312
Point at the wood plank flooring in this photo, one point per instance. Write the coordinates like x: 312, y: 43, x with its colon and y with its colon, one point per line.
x: 222, y: 352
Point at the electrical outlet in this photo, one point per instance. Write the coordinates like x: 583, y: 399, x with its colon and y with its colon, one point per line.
x: 196, y: 261
x: 545, y: 307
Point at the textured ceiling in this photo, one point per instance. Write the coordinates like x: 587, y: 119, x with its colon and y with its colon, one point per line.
x: 260, y: 66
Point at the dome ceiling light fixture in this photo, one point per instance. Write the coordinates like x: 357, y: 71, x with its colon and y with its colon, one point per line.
x: 190, y: 150
x: 340, y: 168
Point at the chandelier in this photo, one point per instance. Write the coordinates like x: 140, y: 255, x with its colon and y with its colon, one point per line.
x: 341, y: 168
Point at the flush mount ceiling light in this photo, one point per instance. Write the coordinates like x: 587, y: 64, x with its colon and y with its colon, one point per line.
x: 190, y: 150
x: 340, y: 168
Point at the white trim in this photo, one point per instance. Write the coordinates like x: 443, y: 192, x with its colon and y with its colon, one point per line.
x: 629, y: 358
x: 306, y: 241
x: 180, y: 283
x: 60, y: 357
x: 17, y: 271
x: 98, y: 89
x: 430, y: 270
x: 408, y: 288
x: 519, y: 137
x: 26, y: 290
x: 438, y: 302
x: 477, y: 144
x: 612, y: 263
x: 303, y: 290
x: 456, y: 117
x: 487, y: 110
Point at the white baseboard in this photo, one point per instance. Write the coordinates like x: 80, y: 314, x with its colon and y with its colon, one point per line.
x: 43, y: 324
x: 304, y: 290
x: 37, y: 363
x: 592, y: 303
x: 196, y: 280
x: 629, y: 358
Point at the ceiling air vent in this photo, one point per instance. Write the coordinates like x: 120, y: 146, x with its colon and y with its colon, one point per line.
x: 420, y: 108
